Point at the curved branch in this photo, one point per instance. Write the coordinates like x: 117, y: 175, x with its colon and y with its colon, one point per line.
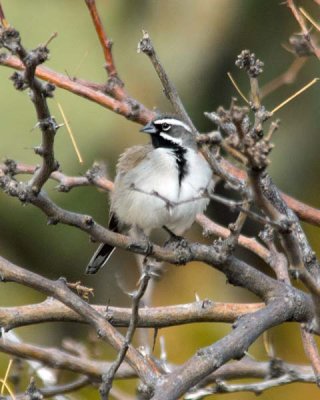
x: 232, y: 346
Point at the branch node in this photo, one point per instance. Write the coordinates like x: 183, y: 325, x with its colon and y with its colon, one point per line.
x: 145, y: 45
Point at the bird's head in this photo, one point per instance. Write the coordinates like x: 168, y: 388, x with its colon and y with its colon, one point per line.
x: 169, y: 131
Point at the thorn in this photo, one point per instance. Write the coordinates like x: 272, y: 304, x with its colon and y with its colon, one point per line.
x: 309, y: 18
x: 315, y: 80
x: 53, y: 36
x: 237, y: 87
x: 74, y: 143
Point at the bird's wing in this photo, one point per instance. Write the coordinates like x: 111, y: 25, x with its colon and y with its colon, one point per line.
x: 132, y: 157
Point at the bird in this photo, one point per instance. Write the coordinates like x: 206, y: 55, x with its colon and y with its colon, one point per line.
x: 157, y: 185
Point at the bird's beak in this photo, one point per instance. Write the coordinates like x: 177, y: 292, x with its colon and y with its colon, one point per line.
x: 149, y: 128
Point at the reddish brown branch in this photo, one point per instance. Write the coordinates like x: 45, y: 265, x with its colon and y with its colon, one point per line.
x: 106, y: 44
x: 210, y: 227
x: 115, y: 85
x: 129, y: 109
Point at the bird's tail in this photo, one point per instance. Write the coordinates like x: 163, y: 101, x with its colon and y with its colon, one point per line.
x: 100, y: 257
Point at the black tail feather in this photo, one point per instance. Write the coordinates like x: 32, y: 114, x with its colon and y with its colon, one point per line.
x: 100, y: 257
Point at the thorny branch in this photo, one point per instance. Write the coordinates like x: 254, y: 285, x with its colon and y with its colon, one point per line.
x: 241, y: 132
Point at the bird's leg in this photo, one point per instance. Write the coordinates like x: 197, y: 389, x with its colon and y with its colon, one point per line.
x: 174, y: 240
x: 180, y: 244
x: 138, y: 233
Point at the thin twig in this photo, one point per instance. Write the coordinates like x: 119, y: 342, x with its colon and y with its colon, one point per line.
x: 115, y: 84
x: 287, y: 78
x: 108, y: 378
x: 146, y: 46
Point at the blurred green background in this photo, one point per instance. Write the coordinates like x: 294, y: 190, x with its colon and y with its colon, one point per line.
x: 197, y: 42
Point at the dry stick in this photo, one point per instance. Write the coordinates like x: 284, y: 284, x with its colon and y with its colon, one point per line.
x: 146, y: 46
x: 108, y: 378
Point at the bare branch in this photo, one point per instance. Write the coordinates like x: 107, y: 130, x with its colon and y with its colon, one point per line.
x: 10, y: 39
x: 52, y: 310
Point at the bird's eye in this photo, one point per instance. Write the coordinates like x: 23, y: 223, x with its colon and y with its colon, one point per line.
x: 166, y: 126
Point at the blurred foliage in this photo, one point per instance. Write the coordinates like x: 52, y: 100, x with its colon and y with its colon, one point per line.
x: 197, y: 42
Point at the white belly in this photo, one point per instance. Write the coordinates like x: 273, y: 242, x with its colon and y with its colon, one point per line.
x: 149, y: 210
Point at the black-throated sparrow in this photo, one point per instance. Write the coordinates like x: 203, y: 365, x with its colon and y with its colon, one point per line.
x: 151, y: 176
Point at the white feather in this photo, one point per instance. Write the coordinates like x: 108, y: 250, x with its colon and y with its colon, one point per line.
x: 170, y: 138
x: 173, y: 121
x: 158, y: 173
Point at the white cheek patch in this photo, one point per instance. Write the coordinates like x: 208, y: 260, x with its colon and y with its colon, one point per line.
x: 170, y: 138
x: 174, y: 122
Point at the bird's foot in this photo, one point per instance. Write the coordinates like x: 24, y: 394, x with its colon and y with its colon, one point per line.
x: 178, y: 244
x: 174, y: 240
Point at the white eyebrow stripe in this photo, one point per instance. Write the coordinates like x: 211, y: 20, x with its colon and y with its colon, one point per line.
x: 173, y: 121
x: 170, y: 138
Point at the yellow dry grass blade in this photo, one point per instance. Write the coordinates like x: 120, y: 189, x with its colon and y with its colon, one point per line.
x: 74, y: 143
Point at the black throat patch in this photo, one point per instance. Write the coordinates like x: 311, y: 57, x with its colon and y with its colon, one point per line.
x: 179, y: 152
